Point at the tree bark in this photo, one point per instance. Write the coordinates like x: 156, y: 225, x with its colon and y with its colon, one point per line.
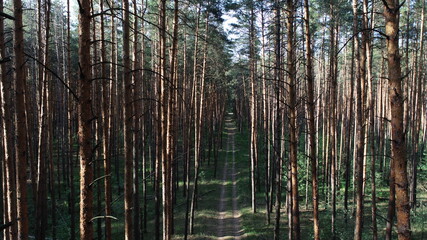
x: 71, y: 117
x: 333, y: 115
x: 396, y: 98
x: 137, y: 132
x: 128, y: 124
x: 291, y: 63
x: 171, y: 124
x: 266, y: 122
x: 416, y: 154
x: 311, y: 120
x: 21, y: 127
x: 44, y: 122
x: 361, y: 78
x: 105, y: 125
x: 85, y: 123
x: 253, y: 121
x: 9, y: 161
x: 278, y: 79
x: 164, y: 116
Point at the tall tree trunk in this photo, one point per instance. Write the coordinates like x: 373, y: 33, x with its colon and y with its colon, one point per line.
x: 353, y: 71
x: 164, y: 116
x: 196, y: 99
x: 137, y: 132
x: 253, y: 121
x: 370, y: 121
x: 266, y: 121
x: 396, y: 96
x: 71, y: 132
x: 278, y: 80
x: 333, y: 114
x: 291, y: 62
x: 3, y: 207
x: 416, y: 119
x: 128, y: 122
x: 7, y: 118
x: 85, y: 123
x: 43, y: 145
x: 171, y: 125
x: 361, y: 79
x: 21, y: 127
x: 105, y: 125
x: 311, y: 120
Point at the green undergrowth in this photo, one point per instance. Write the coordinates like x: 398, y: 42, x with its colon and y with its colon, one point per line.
x: 254, y: 225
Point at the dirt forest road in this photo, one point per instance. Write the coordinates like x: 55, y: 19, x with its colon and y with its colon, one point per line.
x: 229, y: 226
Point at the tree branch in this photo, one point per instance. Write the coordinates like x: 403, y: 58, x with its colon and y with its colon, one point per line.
x: 55, y: 75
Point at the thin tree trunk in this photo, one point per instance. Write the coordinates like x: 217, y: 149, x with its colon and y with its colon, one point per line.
x: 44, y: 130
x: 291, y: 62
x: 6, y: 124
x: 105, y: 134
x: 333, y: 117
x: 354, y: 60
x: 311, y: 121
x: 195, y: 107
x: 70, y: 130
x: 373, y: 167
x: 137, y: 132
x: 171, y: 126
x: 265, y: 120
x: 417, y: 113
x: 358, y: 230
x: 85, y: 123
x: 164, y: 117
x: 128, y: 128
x: 278, y: 80
x: 371, y: 119
x: 253, y: 122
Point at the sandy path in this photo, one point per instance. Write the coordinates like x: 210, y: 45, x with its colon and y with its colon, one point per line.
x: 229, y: 226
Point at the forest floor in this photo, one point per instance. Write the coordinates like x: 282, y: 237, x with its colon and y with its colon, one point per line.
x: 224, y: 203
x: 229, y: 226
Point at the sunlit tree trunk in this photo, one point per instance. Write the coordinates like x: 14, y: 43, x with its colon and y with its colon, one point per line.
x: 253, y: 121
x: 164, y: 116
x: 333, y: 115
x: 291, y: 64
x: 197, y: 103
x: 396, y: 96
x: 44, y: 122
x: 360, y: 135
x: 370, y: 121
x: 265, y: 119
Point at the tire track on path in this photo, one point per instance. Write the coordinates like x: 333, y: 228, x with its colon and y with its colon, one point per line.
x: 229, y: 226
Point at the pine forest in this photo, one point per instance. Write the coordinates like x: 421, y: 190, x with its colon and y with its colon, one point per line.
x: 215, y: 119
